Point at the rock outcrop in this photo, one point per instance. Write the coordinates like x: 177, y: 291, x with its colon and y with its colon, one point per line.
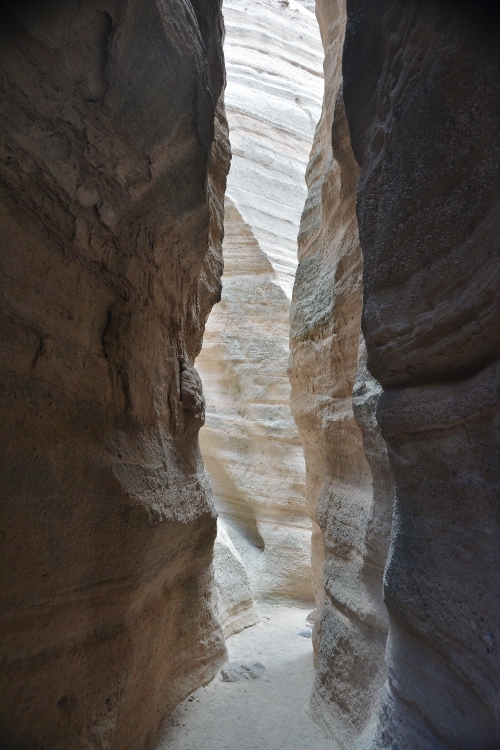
x: 420, y: 82
x: 234, y: 594
x: 250, y: 443
x: 421, y: 87
x: 113, y: 164
x: 349, y: 482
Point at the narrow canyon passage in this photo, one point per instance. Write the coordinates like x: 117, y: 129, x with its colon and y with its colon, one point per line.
x: 293, y: 175
x: 122, y: 598
x: 268, y: 711
x: 250, y: 443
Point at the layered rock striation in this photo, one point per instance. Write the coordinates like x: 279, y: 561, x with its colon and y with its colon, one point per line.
x: 250, y: 443
x: 251, y: 451
x: 348, y: 481
x: 419, y: 82
x: 113, y: 164
x: 421, y: 86
x: 273, y: 101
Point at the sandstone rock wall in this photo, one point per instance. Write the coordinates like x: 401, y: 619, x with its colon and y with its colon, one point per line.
x: 348, y: 480
x: 250, y: 443
x: 421, y: 86
x: 234, y: 593
x: 112, y: 174
x: 273, y: 100
x: 251, y: 451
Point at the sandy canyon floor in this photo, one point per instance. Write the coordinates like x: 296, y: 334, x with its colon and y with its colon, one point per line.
x: 267, y: 712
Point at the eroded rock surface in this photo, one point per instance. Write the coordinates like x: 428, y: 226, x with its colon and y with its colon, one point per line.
x: 250, y: 447
x: 113, y: 167
x: 235, y: 597
x: 240, y: 671
x: 250, y: 443
x: 348, y: 480
x: 421, y: 86
x: 273, y: 100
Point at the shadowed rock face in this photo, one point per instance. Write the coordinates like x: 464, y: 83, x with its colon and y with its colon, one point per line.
x: 348, y: 481
x: 112, y: 173
x: 421, y: 88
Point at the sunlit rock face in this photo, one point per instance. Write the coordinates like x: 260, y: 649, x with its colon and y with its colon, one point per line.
x: 250, y: 447
x: 113, y: 169
x: 334, y: 399
x: 250, y: 443
x: 421, y: 87
x: 273, y: 99
x: 233, y: 590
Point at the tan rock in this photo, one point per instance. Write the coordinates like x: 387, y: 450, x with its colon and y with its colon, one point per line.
x: 250, y: 447
x: 349, y: 485
x: 250, y: 443
x: 235, y: 598
x: 113, y: 169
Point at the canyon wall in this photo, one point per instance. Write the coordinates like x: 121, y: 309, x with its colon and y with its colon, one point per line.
x: 348, y: 480
x: 234, y: 594
x: 418, y: 84
x: 113, y: 165
x: 250, y: 443
x: 421, y: 89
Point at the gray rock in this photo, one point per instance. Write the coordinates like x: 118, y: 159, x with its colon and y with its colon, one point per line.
x: 431, y: 321
x: 239, y: 671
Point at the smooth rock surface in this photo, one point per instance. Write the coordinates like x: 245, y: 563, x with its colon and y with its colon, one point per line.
x: 421, y: 86
x: 348, y: 480
x: 113, y: 165
x: 273, y: 101
x: 235, y: 598
x: 250, y: 444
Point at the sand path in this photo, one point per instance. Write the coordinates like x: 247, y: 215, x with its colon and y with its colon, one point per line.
x: 255, y: 714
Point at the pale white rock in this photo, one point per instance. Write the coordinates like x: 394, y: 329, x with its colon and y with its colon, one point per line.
x: 250, y: 443
x: 235, y: 601
x: 273, y: 101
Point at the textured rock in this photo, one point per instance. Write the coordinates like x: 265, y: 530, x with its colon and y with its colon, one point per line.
x: 349, y: 483
x: 112, y: 168
x: 250, y: 443
x: 421, y: 86
x: 235, y: 599
x: 250, y: 447
x: 273, y: 101
x: 240, y: 671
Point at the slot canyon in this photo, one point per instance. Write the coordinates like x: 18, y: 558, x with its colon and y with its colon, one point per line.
x: 250, y: 331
